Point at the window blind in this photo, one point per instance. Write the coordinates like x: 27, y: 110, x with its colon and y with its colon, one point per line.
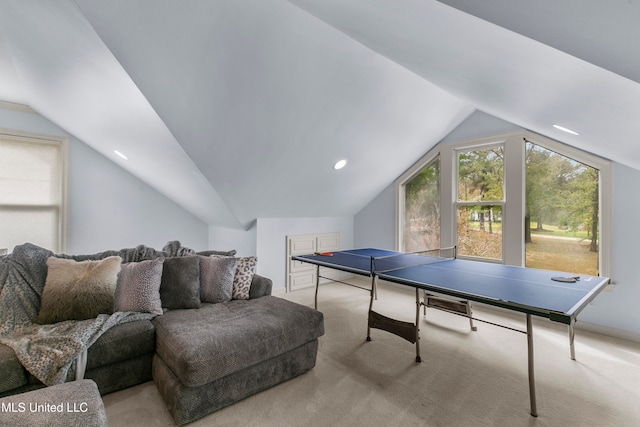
x: 31, y: 196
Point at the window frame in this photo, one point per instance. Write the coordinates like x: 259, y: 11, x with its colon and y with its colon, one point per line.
x: 483, y: 144
x: 63, y: 143
x: 401, y: 201
x: 514, y: 195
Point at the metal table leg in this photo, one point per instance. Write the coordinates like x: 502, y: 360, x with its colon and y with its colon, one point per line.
x: 418, y: 358
x: 571, y: 337
x: 317, y: 285
x: 373, y: 295
x: 532, y: 380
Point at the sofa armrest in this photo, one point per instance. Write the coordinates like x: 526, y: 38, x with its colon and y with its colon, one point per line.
x: 260, y: 286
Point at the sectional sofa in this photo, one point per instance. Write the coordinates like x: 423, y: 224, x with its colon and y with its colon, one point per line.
x: 203, y: 326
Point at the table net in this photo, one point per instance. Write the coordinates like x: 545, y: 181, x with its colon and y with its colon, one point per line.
x: 386, y: 264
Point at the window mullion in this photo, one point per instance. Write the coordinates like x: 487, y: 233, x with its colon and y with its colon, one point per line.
x: 515, y: 198
x: 448, y: 194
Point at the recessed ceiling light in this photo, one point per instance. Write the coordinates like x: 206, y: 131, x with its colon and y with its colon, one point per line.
x: 120, y: 154
x: 567, y: 130
x: 340, y: 164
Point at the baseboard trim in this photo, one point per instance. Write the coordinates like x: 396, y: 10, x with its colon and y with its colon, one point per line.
x: 605, y: 330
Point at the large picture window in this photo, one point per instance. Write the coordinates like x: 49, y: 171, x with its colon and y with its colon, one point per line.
x: 518, y: 199
x: 479, y: 201
x: 562, y: 212
x: 31, y: 191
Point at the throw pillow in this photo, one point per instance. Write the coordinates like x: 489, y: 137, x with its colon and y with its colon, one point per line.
x: 138, y: 287
x: 213, y: 252
x: 216, y: 279
x: 245, y: 270
x: 180, y: 285
x: 78, y: 290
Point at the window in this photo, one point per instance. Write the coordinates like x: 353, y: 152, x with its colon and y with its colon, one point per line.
x: 421, y: 225
x: 498, y: 197
x: 32, y: 192
x: 562, y: 212
x: 479, y: 202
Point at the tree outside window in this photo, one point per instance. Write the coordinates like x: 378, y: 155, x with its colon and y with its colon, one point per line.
x: 421, y: 230
x: 517, y: 198
x: 562, y: 212
x: 479, y: 202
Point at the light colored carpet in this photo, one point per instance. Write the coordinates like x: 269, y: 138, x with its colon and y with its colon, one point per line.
x: 465, y: 379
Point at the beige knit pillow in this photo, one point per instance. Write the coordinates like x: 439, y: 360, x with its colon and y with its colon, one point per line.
x: 78, y: 290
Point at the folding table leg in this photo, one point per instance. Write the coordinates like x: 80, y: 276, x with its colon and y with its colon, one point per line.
x: 532, y: 380
x: 571, y: 337
x: 418, y: 358
x: 373, y: 295
x: 317, y: 285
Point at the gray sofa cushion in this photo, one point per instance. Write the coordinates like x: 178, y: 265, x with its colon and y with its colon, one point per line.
x: 122, y: 342
x: 212, y: 252
x: 12, y: 374
x: 200, y: 346
x: 120, y: 375
x: 260, y: 286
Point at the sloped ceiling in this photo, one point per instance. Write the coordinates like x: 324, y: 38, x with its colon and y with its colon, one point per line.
x: 501, y: 72
x: 604, y: 33
x: 237, y: 110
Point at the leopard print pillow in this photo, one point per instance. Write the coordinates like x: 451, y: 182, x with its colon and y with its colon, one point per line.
x: 245, y: 270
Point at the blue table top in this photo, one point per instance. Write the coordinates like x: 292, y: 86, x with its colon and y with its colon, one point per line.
x: 517, y: 288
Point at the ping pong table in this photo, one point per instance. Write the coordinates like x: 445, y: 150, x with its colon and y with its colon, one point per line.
x: 557, y: 296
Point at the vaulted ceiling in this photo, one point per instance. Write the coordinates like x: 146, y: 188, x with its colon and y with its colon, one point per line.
x: 237, y: 109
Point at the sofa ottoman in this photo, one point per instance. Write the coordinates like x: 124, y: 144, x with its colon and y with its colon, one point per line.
x: 76, y: 403
x: 211, y: 357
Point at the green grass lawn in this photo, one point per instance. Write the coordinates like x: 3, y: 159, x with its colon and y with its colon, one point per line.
x: 551, y: 249
x: 562, y: 255
x: 552, y: 230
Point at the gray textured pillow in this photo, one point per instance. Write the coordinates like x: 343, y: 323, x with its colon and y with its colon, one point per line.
x: 78, y: 290
x: 214, y: 252
x: 180, y: 286
x: 245, y: 270
x: 139, y: 287
x: 216, y: 278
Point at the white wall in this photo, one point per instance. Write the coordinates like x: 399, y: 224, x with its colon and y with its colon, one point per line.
x: 615, y: 310
x: 618, y: 307
x: 271, y: 241
x: 371, y: 224
x: 108, y: 207
x: 226, y: 239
